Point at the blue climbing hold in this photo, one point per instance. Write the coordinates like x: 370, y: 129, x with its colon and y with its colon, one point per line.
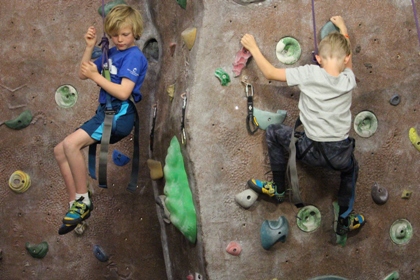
x: 97, y: 52
x: 274, y: 231
x: 119, y: 158
x: 100, y: 253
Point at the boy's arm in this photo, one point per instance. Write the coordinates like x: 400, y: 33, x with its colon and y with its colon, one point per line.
x: 339, y: 22
x: 90, y: 38
x: 270, y: 72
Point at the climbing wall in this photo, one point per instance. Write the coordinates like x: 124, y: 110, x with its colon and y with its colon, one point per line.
x: 192, y: 84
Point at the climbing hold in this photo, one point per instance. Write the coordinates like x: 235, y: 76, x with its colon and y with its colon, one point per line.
x: 414, y: 138
x: 240, y: 61
x: 37, y: 250
x: 246, y: 2
x: 97, y: 52
x: 401, y: 232
x: 178, y: 193
x: 308, y: 218
x: 188, y: 35
x: 171, y: 90
x: 406, y: 194
x: 119, y: 158
x: 223, y: 76
x: 22, y: 121
x: 265, y: 118
x: 160, y: 200
x: 234, y: 248
x: 108, y: 7
x: 172, y: 47
x: 274, y: 231
x: 182, y: 3
x: 80, y: 228
x: 246, y: 198
x: 19, y: 182
x: 288, y: 50
x: 392, y: 276
x: 328, y: 277
x: 151, y: 49
x: 328, y: 28
x: 365, y: 124
x: 395, y: 100
x: 66, y: 96
x: 1, y: 254
x: 155, y: 167
x: 379, y: 194
x: 100, y: 254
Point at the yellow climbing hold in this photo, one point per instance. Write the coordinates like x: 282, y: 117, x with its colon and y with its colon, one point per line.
x: 414, y: 138
x: 156, y: 171
x: 171, y: 90
x: 188, y: 35
x: 19, y: 182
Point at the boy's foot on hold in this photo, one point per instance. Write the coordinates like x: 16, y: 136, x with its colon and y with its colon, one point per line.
x: 78, y: 212
x: 64, y: 229
x: 268, y: 188
x: 352, y: 222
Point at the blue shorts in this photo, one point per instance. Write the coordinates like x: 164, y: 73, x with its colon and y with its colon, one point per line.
x: 122, y: 124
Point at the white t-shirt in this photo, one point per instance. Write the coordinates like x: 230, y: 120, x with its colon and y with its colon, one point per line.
x: 324, y: 101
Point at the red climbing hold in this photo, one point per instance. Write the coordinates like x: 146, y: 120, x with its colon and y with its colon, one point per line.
x: 240, y: 61
x: 234, y: 248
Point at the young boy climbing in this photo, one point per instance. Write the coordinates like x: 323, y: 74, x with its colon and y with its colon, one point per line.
x: 324, y: 106
x: 127, y: 66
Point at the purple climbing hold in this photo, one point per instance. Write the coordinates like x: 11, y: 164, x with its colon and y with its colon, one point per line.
x: 240, y: 61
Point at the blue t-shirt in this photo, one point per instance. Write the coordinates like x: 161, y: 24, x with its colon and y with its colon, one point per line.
x: 130, y: 63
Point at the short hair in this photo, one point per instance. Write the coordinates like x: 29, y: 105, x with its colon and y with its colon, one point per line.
x: 122, y: 16
x: 334, y: 45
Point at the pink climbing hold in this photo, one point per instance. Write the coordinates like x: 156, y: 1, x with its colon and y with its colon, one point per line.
x: 240, y: 61
x: 234, y: 248
x: 190, y: 277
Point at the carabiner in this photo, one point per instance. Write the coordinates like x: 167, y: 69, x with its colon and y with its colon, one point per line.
x: 247, y: 91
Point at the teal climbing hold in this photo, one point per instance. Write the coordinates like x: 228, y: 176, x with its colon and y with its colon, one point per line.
x: 37, y: 250
x: 223, y: 76
x: 265, y: 118
x: 328, y: 28
x: 108, y: 6
x: 22, y: 121
x: 272, y: 232
x: 179, y: 200
x: 182, y: 3
x: 100, y: 254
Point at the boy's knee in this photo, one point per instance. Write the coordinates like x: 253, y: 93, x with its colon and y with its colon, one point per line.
x: 58, y: 150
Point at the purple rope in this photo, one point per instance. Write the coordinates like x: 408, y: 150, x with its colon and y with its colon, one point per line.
x: 104, y: 41
x: 314, y: 26
x: 416, y: 19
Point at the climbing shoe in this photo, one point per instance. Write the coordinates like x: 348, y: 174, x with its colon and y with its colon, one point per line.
x: 268, y: 188
x: 78, y: 212
x: 352, y: 222
x: 64, y: 229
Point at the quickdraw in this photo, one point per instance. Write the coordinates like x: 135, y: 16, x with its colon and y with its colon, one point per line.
x: 251, y: 121
x: 184, y: 105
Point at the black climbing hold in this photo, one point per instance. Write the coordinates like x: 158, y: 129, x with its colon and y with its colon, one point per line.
x: 395, y: 100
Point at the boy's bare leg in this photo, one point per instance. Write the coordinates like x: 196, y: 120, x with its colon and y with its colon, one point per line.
x: 65, y: 171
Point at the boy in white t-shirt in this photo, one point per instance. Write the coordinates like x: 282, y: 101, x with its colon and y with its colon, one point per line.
x: 324, y: 106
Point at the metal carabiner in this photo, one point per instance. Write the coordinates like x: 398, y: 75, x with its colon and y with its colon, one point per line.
x: 247, y: 91
x: 184, y: 105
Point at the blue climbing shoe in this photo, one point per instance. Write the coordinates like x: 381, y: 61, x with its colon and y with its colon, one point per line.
x: 78, y: 212
x: 352, y: 222
x: 268, y: 188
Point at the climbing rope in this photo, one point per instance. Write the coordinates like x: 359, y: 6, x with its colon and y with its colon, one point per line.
x: 416, y: 19
x: 152, y: 130
x: 315, y: 52
x: 184, y: 105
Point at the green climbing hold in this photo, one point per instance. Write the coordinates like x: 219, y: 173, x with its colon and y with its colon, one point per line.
x: 309, y: 218
x: 401, y: 231
x: 37, y: 250
x: 22, y: 121
x: 392, y: 276
x: 288, y: 50
x: 178, y: 194
x: 66, y: 96
x: 108, y: 7
x: 365, y: 124
x: 223, y: 76
x: 182, y: 3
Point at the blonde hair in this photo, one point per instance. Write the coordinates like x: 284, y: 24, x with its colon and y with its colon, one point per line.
x: 122, y: 16
x: 334, y: 45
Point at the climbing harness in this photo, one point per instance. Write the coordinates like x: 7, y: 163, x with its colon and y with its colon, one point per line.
x: 152, y: 130
x: 107, y: 128
x: 184, y: 105
x: 251, y: 121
